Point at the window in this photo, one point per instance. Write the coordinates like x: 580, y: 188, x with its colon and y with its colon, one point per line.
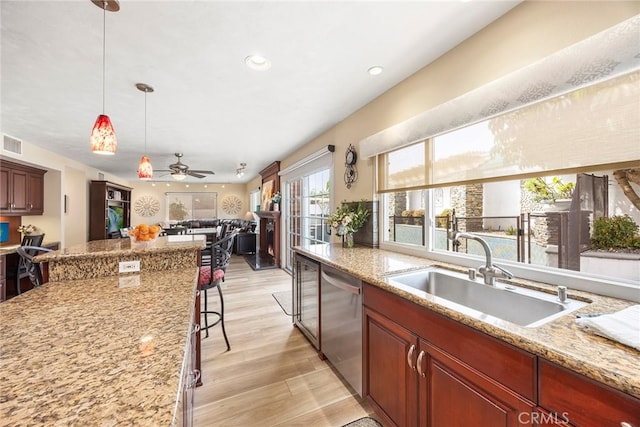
x: 306, y: 202
x: 308, y: 199
x: 586, y: 138
x: 188, y: 206
x: 405, y: 217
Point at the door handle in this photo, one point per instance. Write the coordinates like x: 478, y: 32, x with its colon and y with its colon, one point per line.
x: 419, y: 364
x: 340, y: 284
x: 412, y: 349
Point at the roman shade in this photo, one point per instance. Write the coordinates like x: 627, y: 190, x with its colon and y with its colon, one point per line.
x: 610, y: 53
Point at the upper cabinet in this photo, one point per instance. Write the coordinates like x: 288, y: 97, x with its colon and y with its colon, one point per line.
x: 21, y: 189
x: 109, y: 209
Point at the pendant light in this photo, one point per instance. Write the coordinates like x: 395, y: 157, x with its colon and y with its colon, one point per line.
x: 145, y: 170
x: 103, y: 136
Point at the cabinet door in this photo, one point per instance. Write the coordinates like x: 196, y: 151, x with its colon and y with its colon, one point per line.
x: 36, y: 194
x: 389, y: 369
x: 5, y: 198
x: 19, y: 186
x: 583, y: 401
x: 452, y: 394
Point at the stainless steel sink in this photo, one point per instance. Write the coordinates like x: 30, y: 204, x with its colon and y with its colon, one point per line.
x: 522, y: 306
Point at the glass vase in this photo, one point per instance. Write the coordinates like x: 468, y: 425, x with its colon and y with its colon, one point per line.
x: 347, y: 240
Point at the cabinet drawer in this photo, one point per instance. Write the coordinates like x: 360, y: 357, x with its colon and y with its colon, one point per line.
x: 511, y: 366
x: 583, y: 401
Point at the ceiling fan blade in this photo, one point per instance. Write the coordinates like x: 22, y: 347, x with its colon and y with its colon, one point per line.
x: 202, y: 171
x: 194, y: 174
x: 163, y: 170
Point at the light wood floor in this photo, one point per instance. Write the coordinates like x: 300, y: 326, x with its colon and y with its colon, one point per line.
x: 272, y: 376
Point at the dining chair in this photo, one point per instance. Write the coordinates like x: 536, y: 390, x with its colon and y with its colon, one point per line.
x: 32, y: 269
x: 212, y: 276
x: 19, y: 271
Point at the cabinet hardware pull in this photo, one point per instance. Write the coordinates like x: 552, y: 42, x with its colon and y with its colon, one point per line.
x: 419, y: 364
x: 412, y: 349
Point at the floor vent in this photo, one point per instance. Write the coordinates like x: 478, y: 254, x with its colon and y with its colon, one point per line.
x: 13, y: 145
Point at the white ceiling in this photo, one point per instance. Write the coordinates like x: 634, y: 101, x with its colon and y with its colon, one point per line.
x: 207, y: 103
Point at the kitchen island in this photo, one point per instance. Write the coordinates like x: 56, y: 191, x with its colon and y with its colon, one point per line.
x: 107, y: 350
x: 607, y: 368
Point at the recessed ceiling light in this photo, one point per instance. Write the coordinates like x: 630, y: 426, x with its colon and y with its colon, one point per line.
x: 257, y: 62
x: 375, y: 70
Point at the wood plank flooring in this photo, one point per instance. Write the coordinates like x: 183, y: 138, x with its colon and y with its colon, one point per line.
x: 272, y: 376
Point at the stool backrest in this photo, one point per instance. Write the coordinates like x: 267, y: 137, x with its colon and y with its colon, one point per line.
x: 221, y: 251
x: 32, y: 268
x: 32, y: 240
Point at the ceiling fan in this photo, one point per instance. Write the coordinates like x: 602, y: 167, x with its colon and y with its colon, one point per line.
x: 179, y: 170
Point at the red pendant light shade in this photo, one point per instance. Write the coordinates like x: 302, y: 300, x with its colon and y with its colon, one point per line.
x: 145, y: 170
x: 103, y: 136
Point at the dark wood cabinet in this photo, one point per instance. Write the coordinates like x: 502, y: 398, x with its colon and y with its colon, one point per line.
x: 422, y: 368
x: 21, y: 189
x: 454, y: 394
x: 3, y: 278
x: 109, y: 209
x: 583, y: 401
x: 389, y: 381
x: 412, y: 381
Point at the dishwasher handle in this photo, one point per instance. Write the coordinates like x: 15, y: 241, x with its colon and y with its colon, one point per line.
x: 340, y: 283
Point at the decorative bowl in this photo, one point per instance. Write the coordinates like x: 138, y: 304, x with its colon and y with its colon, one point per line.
x: 148, y: 243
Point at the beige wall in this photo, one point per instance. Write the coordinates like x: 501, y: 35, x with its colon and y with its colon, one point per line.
x: 75, y: 220
x: 526, y: 34
x: 159, y: 190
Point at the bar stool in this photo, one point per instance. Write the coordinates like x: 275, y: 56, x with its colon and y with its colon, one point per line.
x: 211, y: 276
x: 20, y: 271
x: 32, y: 269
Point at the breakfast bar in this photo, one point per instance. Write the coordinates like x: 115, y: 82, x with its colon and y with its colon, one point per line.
x: 103, y: 348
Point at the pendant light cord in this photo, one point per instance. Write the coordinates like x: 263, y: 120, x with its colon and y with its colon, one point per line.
x: 145, y: 122
x: 104, y: 49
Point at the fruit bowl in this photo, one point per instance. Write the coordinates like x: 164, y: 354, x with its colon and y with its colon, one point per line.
x: 138, y: 243
x: 144, y: 236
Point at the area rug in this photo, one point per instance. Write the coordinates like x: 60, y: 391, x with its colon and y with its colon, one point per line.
x: 284, y: 300
x: 364, y: 422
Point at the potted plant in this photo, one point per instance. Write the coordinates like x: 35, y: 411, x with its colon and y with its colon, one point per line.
x: 554, y: 194
x: 347, y: 220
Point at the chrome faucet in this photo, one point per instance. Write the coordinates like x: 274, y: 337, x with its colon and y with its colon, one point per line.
x: 490, y: 270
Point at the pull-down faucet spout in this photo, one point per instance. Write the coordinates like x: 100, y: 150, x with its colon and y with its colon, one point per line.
x: 490, y: 270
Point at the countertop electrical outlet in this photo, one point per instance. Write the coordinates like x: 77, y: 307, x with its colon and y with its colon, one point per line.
x: 128, y: 266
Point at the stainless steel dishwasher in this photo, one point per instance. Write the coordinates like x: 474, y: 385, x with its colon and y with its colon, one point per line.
x: 341, y: 323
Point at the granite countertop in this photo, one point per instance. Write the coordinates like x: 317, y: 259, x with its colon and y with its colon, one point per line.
x: 560, y: 341
x: 11, y: 249
x: 119, y: 247
x: 96, y: 352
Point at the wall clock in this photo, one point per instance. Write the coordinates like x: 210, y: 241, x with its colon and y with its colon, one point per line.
x: 231, y: 205
x: 350, y: 173
x: 146, y: 206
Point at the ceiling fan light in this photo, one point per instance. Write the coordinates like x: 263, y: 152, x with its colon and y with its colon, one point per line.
x: 145, y: 170
x: 178, y: 176
x: 103, y: 136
